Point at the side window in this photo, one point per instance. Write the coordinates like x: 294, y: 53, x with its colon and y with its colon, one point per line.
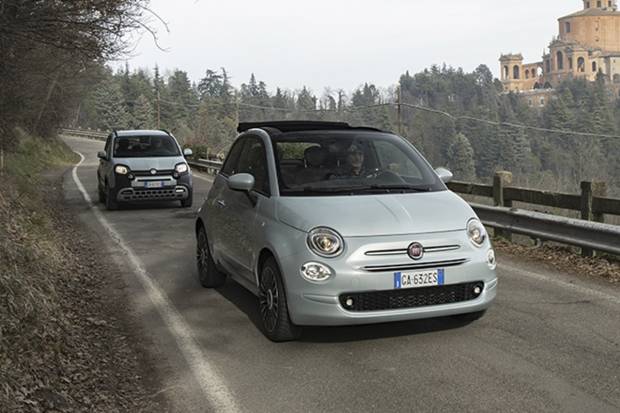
x: 231, y: 163
x: 253, y: 161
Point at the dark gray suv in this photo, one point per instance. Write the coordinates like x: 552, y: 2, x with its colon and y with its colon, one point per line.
x: 143, y: 166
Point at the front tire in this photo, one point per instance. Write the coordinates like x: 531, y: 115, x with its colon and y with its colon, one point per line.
x: 208, y: 274
x: 187, y: 203
x: 110, y: 202
x: 273, y: 307
x: 101, y: 194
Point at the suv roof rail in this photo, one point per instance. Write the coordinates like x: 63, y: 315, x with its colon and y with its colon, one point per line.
x: 300, y: 125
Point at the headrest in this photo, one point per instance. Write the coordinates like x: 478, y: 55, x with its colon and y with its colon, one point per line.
x: 314, y: 156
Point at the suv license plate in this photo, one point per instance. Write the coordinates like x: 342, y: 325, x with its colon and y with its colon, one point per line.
x: 419, y: 279
x: 154, y: 184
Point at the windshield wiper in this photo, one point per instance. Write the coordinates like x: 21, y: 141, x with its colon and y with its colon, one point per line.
x: 336, y: 189
x: 401, y: 187
x: 378, y: 188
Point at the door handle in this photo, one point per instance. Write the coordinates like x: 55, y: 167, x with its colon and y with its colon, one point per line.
x: 221, y: 203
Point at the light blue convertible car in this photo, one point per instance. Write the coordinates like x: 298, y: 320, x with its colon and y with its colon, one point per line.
x: 330, y: 224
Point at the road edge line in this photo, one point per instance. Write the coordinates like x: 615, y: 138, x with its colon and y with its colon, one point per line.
x: 213, y: 386
x: 570, y: 286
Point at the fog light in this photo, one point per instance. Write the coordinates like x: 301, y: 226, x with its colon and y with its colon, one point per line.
x: 349, y: 302
x: 179, y: 190
x: 315, y: 271
x: 491, y: 262
x: 477, y: 290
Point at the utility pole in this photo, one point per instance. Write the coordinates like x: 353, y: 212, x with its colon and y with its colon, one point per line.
x: 158, y: 112
x: 400, y: 113
x: 77, y: 115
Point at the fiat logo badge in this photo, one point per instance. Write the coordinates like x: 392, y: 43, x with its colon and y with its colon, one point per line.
x: 153, y: 171
x: 415, y: 251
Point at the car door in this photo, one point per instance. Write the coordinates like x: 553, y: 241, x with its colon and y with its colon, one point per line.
x: 218, y: 217
x: 241, y: 208
x: 104, y: 164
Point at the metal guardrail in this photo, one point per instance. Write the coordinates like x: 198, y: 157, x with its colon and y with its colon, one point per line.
x: 83, y: 133
x: 210, y: 167
x: 577, y: 232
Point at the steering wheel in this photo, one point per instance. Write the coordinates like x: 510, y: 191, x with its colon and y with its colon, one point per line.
x: 386, y: 176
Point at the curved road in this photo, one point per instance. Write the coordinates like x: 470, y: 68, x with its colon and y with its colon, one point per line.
x: 551, y: 342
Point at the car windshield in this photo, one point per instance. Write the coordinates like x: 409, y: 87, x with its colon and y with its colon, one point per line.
x: 335, y: 163
x: 145, y: 146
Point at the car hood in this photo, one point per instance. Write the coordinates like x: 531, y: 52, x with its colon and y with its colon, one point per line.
x: 145, y: 164
x: 376, y: 215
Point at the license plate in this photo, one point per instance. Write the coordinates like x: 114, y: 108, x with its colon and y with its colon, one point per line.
x: 419, y: 279
x: 154, y: 184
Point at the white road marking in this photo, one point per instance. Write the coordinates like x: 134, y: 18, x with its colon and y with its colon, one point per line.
x: 211, y: 383
x: 571, y: 286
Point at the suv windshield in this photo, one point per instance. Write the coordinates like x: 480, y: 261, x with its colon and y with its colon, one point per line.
x: 145, y: 146
x: 322, y: 163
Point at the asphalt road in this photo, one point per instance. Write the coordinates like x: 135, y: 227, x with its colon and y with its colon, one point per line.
x: 551, y: 342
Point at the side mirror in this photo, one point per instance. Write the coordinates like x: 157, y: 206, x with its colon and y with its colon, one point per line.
x: 445, y: 175
x: 241, y: 182
x: 102, y: 155
x: 187, y: 152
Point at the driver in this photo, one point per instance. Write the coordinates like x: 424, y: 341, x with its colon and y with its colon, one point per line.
x: 355, y: 161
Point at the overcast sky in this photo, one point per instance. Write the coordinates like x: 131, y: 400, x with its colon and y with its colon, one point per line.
x: 344, y: 43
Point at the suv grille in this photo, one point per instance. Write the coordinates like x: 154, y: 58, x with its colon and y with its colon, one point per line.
x: 410, y: 298
x: 162, y: 172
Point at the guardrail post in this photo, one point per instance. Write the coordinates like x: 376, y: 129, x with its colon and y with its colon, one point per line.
x: 500, y: 180
x: 588, y: 191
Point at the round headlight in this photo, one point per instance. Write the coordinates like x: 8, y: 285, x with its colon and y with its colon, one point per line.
x: 325, y: 242
x: 121, y: 169
x: 181, y: 168
x: 476, y: 232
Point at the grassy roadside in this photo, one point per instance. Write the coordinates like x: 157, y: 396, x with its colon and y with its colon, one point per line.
x: 59, y: 348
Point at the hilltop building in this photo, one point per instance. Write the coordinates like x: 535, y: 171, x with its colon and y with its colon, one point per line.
x: 588, y: 45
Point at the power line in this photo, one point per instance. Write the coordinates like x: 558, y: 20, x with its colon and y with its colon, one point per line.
x: 448, y: 115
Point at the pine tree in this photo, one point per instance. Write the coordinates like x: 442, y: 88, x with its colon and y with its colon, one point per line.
x: 111, y: 111
x: 143, y: 116
x: 461, y: 158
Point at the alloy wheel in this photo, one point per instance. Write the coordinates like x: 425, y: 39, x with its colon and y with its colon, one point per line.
x: 269, y: 299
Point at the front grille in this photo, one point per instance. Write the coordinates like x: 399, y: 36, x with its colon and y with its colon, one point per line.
x: 403, y: 251
x: 414, y: 265
x: 152, y: 194
x: 410, y: 298
x: 148, y: 173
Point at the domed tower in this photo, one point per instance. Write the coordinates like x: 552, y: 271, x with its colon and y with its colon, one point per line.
x: 600, y: 4
x: 597, y: 26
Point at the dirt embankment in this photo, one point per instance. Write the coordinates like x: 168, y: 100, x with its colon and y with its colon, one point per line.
x: 65, y: 341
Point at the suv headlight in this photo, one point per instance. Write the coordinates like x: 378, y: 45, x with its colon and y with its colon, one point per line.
x: 476, y: 232
x: 121, y: 169
x: 325, y: 242
x: 181, y: 168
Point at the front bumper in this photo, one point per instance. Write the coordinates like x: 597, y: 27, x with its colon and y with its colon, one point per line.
x: 176, y: 193
x: 312, y: 303
x: 178, y: 189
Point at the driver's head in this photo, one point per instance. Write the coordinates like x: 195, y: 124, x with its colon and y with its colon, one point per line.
x: 355, y: 156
